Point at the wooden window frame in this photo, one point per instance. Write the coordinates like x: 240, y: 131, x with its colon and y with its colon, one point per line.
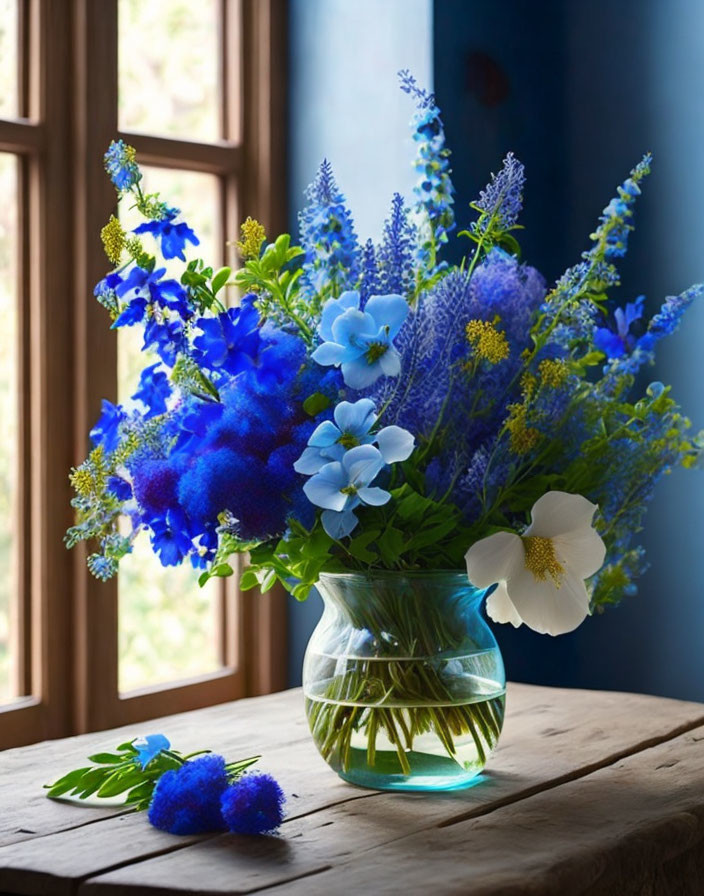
x: 67, y: 349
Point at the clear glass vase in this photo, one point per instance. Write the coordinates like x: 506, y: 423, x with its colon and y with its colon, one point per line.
x: 403, y: 680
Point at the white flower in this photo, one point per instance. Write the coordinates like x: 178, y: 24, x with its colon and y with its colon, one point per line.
x: 541, y: 573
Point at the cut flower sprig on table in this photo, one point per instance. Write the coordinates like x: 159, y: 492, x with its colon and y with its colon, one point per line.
x: 198, y: 793
x: 337, y: 406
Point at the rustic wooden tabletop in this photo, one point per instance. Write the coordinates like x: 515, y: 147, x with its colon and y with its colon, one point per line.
x: 588, y: 793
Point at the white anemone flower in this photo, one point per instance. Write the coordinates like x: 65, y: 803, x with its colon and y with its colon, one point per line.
x: 541, y: 573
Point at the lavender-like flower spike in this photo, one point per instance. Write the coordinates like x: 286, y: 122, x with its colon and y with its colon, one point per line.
x: 501, y: 200
x: 369, y: 279
x: 395, y: 256
x: 434, y: 188
x: 328, y: 237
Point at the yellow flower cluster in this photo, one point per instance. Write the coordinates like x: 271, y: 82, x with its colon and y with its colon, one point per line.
x: 523, y: 438
x: 489, y: 343
x: 114, y: 239
x: 253, y: 235
x: 91, y: 477
x: 552, y: 373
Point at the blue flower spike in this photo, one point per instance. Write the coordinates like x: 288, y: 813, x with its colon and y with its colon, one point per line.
x: 341, y: 486
x: 352, y: 426
x: 150, y: 747
x: 361, y: 342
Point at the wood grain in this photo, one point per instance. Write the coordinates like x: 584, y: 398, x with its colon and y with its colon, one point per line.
x: 552, y: 737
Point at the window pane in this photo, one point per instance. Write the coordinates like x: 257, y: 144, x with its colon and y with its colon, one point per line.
x: 169, y: 626
x: 168, y: 68
x: 9, y: 44
x: 9, y: 474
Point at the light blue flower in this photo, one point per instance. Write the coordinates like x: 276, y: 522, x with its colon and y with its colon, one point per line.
x: 361, y: 342
x: 150, y: 747
x: 352, y: 427
x: 341, y: 486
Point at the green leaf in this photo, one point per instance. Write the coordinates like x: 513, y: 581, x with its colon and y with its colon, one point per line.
x: 106, y: 758
x: 220, y: 279
x: 248, y: 579
x: 316, y: 403
x: 268, y: 581
x: 66, y: 783
x: 391, y: 545
x: 359, y: 546
x: 119, y: 782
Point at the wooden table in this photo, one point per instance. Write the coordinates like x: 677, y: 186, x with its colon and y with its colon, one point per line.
x: 588, y: 793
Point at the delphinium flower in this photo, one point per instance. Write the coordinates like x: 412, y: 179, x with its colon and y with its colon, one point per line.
x: 121, y: 165
x: 395, y: 260
x: 352, y: 426
x: 369, y: 276
x: 327, y: 235
x: 154, y: 390
x: 616, y: 343
x: 499, y: 206
x: 361, y: 342
x: 171, y: 234
x: 253, y: 805
x: 541, y: 572
x: 433, y: 189
x: 570, y: 308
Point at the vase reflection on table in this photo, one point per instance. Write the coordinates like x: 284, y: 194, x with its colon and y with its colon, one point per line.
x: 403, y: 680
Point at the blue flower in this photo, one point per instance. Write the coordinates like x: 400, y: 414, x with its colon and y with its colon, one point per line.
x: 502, y: 199
x: 352, y: 427
x: 170, y: 537
x: 106, y: 431
x: 230, y: 341
x: 615, y: 344
x: 167, y: 338
x: 120, y: 488
x: 121, y: 166
x: 328, y: 236
x: 154, y: 390
x: 187, y: 800
x: 143, y: 289
x: 150, y: 747
x: 172, y: 237
x: 253, y: 805
x: 361, y: 342
x: 340, y: 486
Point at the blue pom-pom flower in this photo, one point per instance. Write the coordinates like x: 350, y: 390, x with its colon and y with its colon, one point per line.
x: 253, y: 805
x: 187, y: 800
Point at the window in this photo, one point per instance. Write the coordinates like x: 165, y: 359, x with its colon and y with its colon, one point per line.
x: 207, y: 122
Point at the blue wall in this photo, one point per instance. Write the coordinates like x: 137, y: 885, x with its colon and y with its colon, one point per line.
x: 579, y: 91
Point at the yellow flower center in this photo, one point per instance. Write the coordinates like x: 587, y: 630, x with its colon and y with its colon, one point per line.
x: 375, y: 351
x: 347, y: 440
x: 349, y: 490
x: 541, y: 560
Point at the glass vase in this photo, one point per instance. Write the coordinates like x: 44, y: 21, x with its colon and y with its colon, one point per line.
x: 403, y: 680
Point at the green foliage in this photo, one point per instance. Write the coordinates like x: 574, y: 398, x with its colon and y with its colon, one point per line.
x: 274, y: 278
x: 112, y: 774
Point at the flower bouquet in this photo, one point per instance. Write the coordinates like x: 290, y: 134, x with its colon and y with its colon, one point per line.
x: 406, y: 434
